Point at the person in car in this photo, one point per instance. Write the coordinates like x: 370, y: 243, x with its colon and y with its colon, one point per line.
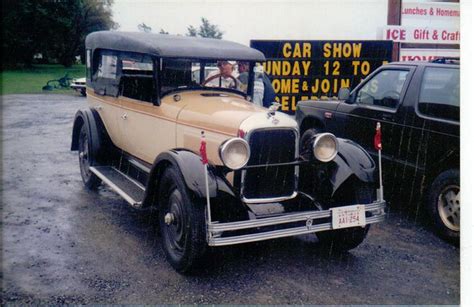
x: 224, y: 77
x: 264, y: 94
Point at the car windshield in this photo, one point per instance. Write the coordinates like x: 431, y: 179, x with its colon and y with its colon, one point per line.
x: 177, y: 74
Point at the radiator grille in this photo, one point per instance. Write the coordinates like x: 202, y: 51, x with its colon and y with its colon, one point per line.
x: 270, y: 147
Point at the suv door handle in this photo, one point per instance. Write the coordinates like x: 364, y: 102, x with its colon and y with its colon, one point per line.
x: 124, y: 116
x: 387, y: 116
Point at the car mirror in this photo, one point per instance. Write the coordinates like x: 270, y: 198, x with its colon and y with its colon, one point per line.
x: 343, y: 93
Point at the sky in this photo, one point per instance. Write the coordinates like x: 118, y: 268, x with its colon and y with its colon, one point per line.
x: 243, y: 20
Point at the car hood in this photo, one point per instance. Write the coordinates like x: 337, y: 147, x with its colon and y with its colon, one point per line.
x: 330, y: 105
x: 216, y: 111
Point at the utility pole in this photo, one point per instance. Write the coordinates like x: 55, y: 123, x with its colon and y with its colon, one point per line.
x: 394, y: 18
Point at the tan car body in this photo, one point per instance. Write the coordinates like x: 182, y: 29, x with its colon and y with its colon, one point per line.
x: 179, y: 120
x: 141, y: 135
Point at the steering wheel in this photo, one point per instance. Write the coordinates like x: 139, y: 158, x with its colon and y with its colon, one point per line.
x: 392, y: 94
x: 232, y: 86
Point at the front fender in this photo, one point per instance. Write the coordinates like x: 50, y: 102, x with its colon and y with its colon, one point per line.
x: 351, y: 159
x: 192, y: 170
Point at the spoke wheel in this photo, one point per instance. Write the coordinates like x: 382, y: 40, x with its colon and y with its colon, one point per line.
x: 174, y: 231
x: 90, y: 180
x: 182, y: 223
x: 341, y: 240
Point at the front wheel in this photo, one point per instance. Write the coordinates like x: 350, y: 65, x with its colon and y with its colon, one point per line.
x: 444, y: 204
x: 91, y: 181
x: 182, y: 223
x: 349, y: 238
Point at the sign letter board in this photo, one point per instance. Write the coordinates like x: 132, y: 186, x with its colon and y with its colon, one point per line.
x: 302, y: 70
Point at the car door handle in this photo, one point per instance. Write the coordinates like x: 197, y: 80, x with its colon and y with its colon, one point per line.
x: 124, y: 116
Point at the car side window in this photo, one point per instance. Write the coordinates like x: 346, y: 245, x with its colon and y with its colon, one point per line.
x: 136, y: 80
x: 88, y: 64
x: 439, y: 93
x: 105, y: 73
x: 384, y: 89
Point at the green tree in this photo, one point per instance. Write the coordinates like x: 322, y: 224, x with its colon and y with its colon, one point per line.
x: 56, y: 29
x: 206, y: 29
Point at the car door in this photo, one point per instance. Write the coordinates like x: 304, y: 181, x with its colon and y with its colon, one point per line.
x: 103, y: 98
x: 435, y: 135
x: 376, y: 100
x: 148, y: 128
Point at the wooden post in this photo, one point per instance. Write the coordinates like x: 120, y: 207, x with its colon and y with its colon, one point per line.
x: 394, y: 18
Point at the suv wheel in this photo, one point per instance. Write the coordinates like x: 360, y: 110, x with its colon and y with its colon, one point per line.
x: 91, y: 181
x: 444, y: 204
x: 182, y: 223
x: 341, y: 240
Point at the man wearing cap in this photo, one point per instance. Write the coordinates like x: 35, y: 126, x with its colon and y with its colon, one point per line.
x: 227, y: 78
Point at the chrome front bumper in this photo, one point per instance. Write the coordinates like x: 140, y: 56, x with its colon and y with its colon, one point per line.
x: 215, y: 230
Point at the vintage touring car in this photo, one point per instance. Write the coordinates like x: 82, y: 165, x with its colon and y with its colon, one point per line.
x: 142, y: 136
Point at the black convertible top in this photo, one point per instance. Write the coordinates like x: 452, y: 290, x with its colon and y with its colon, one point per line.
x: 164, y: 45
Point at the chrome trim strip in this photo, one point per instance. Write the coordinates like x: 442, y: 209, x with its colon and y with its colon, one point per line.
x: 216, y: 229
x: 139, y: 165
x: 297, y: 169
x: 280, y: 233
x: 107, y: 181
x: 268, y: 200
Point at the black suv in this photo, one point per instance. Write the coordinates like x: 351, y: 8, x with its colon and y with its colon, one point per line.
x: 417, y: 104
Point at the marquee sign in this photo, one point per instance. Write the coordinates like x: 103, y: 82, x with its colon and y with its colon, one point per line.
x: 438, y: 35
x: 302, y: 70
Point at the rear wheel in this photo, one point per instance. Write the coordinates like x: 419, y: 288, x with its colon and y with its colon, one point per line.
x: 91, y: 181
x: 444, y: 204
x: 349, y: 238
x: 182, y: 224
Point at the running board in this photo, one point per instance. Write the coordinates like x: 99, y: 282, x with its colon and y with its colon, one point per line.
x: 130, y: 190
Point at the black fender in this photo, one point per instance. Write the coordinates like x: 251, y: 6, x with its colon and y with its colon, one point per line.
x: 352, y: 159
x: 190, y: 165
x: 96, y: 131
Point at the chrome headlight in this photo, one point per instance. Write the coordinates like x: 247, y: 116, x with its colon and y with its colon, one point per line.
x: 235, y: 153
x: 325, y: 147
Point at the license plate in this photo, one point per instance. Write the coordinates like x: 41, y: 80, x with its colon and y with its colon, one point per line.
x: 349, y: 216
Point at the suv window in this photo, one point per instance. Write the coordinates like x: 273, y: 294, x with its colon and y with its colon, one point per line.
x: 384, y: 89
x: 439, y: 93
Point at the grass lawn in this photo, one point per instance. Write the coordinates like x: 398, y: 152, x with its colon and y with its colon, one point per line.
x: 32, y: 80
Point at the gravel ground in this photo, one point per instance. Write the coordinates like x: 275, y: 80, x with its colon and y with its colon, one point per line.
x: 64, y: 244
